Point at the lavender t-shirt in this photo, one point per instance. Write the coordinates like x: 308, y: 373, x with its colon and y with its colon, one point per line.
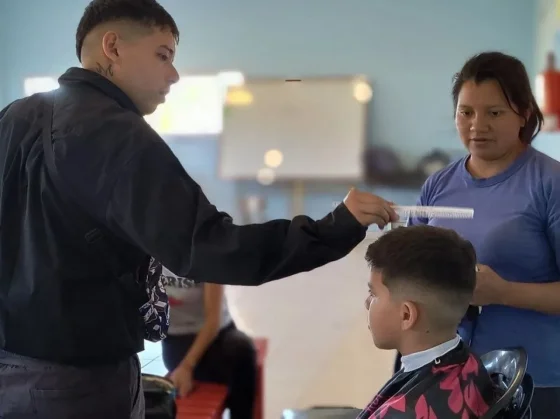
x: 516, y: 231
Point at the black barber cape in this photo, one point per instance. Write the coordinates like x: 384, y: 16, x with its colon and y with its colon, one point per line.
x: 59, y: 300
x: 455, y: 386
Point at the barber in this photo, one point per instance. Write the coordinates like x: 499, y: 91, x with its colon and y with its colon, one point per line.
x: 69, y: 331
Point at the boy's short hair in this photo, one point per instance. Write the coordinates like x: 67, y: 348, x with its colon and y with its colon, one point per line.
x: 148, y: 13
x: 431, y: 266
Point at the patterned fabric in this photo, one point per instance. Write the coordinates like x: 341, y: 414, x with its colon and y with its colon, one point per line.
x: 455, y: 386
x: 155, y: 311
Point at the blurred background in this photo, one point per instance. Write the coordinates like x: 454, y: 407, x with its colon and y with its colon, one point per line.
x: 282, y: 107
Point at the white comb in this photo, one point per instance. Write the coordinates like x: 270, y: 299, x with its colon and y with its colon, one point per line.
x: 405, y: 212
x: 421, y: 211
x: 433, y: 212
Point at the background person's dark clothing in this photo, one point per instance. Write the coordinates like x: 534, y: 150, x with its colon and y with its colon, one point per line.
x: 230, y: 359
x: 59, y: 300
x: 545, y: 403
x: 33, y: 389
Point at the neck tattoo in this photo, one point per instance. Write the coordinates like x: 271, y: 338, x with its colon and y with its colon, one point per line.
x: 105, y: 71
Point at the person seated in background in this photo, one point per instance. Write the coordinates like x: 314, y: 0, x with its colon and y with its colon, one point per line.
x: 203, y: 344
x: 421, y: 283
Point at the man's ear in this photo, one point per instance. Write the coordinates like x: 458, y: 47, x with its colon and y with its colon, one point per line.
x: 111, y: 43
x: 409, y: 315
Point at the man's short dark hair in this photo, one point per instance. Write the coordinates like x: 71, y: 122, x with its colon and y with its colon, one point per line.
x: 148, y: 13
x: 430, y: 265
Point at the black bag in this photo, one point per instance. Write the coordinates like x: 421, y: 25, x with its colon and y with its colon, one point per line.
x: 159, y: 396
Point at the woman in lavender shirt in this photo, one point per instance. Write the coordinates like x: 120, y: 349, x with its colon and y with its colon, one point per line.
x: 515, y: 193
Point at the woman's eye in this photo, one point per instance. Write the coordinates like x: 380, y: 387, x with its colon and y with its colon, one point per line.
x: 496, y: 113
x: 163, y: 57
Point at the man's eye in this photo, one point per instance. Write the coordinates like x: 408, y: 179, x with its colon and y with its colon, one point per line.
x: 163, y: 57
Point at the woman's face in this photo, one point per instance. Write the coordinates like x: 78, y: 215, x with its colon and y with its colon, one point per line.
x: 488, y: 126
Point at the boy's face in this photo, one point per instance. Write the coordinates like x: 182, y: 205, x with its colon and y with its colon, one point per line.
x: 388, y: 317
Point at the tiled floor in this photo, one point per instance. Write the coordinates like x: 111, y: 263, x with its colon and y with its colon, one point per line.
x: 320, y: 350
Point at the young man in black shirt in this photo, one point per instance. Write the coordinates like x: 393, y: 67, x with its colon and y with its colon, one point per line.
x: 69, y: 330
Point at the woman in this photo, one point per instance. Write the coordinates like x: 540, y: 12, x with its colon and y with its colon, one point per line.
x: 515, y: 193
x: 203, y: 344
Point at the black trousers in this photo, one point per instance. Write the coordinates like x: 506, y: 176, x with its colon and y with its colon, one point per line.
x: 230, y: 359
x: 545, y: 403
x: 30, y: 388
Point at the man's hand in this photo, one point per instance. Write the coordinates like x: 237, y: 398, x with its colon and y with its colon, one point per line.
x: 370, y: 209
x: 182, y: 379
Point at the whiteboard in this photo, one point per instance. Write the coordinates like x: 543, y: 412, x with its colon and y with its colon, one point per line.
x: 318, y: 125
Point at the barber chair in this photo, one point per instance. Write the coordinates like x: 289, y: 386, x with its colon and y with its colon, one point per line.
x: 159, y: 397
x: 507, y: 368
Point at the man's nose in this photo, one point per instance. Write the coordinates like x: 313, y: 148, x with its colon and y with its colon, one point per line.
x: 174, y: 76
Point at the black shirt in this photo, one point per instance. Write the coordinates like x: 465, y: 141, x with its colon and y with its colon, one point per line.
x: 59, y: 299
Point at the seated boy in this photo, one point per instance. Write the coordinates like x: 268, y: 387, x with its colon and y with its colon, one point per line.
x: 422, y: 280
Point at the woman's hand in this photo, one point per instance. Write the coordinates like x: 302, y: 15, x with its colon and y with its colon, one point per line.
x: 490, y: 287
x: 182, y: 379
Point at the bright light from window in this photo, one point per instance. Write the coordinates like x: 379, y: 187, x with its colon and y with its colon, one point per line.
x: 362, y: 92
x: 231, y: 78
x: 273, y: 158
x: 195, y: 105
x: 34, y: 85
x: 539, y: 90
x: 266, y: 176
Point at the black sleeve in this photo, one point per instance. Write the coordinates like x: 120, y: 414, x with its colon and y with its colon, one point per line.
x: 157, y: 206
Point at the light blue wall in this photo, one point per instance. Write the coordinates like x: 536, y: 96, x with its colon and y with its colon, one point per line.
x: 3, y: 36
x: 409, y: 49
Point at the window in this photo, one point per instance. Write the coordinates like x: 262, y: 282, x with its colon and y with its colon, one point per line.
x: 34, y: 85
x: 194, y: 105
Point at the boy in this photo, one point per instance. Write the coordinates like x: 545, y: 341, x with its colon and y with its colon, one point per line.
x: 422, y: 280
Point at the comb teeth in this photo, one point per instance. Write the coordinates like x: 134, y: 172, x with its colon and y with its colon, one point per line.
x: 419, y: 211
x: 433, y: 212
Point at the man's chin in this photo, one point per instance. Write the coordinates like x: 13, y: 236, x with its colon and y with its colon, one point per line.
x: 151, y: 109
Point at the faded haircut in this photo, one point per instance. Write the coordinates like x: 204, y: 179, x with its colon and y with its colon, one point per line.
x: 431, y: 266
x: 146, y: 13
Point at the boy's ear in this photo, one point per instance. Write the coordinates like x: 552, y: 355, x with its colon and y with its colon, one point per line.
x: 409, y: 315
